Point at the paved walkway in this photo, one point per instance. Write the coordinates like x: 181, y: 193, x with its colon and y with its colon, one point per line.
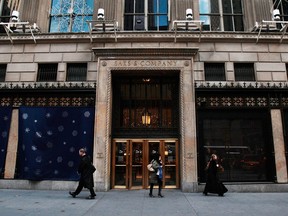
x: 138, y: 203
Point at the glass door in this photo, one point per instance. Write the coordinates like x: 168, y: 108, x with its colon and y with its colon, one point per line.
x: 127, y: 164
x: 136, y: 164
x: 131, y: 157
x: 119, y: 164
x: 169, y: 154
x: 171, y: 173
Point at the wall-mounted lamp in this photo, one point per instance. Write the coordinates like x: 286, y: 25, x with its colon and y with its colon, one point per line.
x: 100, y: 15
x: 146, y: 118
x: 276, y: 15
x: 15, y: 16
x: 189, y: 14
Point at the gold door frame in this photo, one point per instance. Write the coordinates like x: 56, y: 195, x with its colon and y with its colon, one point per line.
x: 145, y: 160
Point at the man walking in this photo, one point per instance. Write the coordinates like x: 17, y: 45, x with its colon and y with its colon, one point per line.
x: 86, y: 170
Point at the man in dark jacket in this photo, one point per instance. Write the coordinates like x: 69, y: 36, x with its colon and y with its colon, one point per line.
x: 86, y: 170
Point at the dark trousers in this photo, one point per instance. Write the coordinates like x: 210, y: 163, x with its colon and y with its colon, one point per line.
x: 160, y: 183
x: 80, y: 187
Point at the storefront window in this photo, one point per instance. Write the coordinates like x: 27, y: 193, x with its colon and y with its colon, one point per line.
x: 242, y: 140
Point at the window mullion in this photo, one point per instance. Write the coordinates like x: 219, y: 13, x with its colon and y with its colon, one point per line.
x: 146, y: 15
x: 232, y: 9
x: 221, y: 15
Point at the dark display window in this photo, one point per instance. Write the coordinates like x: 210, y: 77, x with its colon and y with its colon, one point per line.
x: 243, y: 141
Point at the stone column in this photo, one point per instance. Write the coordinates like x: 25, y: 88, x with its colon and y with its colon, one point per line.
x: 279, y: 146
x: 101, y: 156
x: 188, y: 130
x: 12, y: 147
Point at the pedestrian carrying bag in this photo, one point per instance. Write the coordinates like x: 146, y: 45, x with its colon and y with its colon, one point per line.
x: 220, y: 168
x: 150, y: 168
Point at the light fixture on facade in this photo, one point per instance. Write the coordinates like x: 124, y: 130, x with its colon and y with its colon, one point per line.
x: 15, y: 16
x: 100, y: 15
x: 276, y: 15
x: 146, y: 118
x: 189, y: 14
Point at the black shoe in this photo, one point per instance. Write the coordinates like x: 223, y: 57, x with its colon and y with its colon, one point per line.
x: 90, y: 197
x: 151, y: 195
x: 160, y: 195
x: 205, y: 193
x: 72, y: 194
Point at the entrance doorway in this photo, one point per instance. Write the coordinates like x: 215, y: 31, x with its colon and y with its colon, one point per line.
x: 131, y: 157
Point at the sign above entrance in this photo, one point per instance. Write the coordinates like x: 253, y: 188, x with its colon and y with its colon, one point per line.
x: 145, y: 63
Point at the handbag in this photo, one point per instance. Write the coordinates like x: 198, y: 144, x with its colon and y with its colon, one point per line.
x: 150, y: 168
x: 220, y: 168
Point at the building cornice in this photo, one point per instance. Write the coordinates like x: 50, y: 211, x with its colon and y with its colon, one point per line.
x: 168, y: 36
x: 47, y: 86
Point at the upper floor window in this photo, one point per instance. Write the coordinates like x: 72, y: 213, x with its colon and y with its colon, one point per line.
x: 244, y: 72
x: 146, y: 15
x: 3, y: 68
x: 70, y: 15
x: 282, y: 5
x: 214, y: 71
x: 47, y: 72
x: 76, y: 72
x: 221, y: 15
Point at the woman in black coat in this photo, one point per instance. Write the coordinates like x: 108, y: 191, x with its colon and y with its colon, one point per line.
x: 86, y: 170
x: 213, y: 184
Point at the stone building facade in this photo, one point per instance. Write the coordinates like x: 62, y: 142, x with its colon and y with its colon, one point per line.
x: 220, y: 87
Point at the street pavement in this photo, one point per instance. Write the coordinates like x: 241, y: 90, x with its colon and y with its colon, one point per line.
x: 138, y: 203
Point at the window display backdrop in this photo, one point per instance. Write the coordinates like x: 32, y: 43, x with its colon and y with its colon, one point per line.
x: 49, y: 140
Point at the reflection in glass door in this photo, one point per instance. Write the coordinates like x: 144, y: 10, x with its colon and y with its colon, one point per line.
x: 136, y: 164
x: 171, y: 158
x: 119, y: 160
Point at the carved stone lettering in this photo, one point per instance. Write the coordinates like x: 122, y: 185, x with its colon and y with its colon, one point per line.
x: 145, y: 63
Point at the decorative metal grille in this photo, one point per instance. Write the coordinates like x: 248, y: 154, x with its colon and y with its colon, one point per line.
x: 47, y: 101
x: 214, y: 101
x: 241, y: 94
x: 47, y: 94
x: 244, y: 71
x: 47, y: 72
x: 214, y: 71
x: 76, y: 72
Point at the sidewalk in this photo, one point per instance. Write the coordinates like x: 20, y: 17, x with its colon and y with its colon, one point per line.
x: 138, y: 203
